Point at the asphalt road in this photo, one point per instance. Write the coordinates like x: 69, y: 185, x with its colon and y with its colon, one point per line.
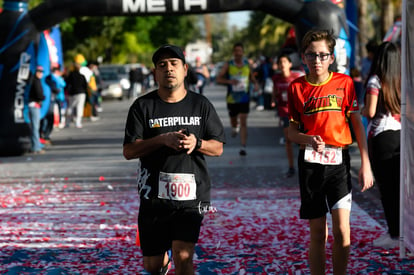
x: 82, y: 193
x: 96, y: 151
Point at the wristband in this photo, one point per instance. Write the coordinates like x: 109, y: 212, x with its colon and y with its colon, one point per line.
x: 198, y: 144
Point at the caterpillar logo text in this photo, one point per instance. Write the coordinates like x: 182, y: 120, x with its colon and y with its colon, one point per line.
x: 131, y: 6
x: 22, y: 78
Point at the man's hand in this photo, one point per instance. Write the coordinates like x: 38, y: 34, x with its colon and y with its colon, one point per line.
x: 180, y: 140
x: 174, y: 140
x: 189, y: 142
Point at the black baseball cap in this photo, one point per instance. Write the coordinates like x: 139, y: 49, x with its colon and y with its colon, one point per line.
x: 174, y: 50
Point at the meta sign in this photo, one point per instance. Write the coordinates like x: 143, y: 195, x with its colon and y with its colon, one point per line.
x: 160, y: 6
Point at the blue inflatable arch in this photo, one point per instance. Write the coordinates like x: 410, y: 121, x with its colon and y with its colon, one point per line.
x: 20, y: 27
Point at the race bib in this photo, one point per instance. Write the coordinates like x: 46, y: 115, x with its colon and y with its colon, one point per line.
x: 178, y: 187
x: 241, y: 85
x: 329, y: 156
x: 284, y: 96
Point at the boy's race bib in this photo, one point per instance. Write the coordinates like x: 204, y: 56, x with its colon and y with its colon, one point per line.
x: 329, y: 156
x: 177, y: 186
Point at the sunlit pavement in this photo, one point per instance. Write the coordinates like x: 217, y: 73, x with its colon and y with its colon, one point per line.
x: 73, y: 210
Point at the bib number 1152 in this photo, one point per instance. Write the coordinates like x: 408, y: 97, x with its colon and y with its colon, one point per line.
x: 329, y: 156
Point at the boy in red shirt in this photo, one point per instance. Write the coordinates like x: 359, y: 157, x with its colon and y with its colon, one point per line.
x: 321, y: 105
x: 281, y: 81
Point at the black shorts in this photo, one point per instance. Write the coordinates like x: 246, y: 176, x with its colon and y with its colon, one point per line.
x: 238, y: 108
x: 322, y: 186
x: 159, y: 224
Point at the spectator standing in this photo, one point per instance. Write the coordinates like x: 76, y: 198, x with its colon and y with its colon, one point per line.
x: 237, y: 74
x: 265, y: 73
x: 371, y: 48
x: 320, y: 105
x: 93, y: 92
x: 281, y: 81
x: 383, y: 110
x: 136, y: 79
x: 36, y: 97
x: 77, y: 89
x: 170, y: 130
x: 203, y: 75
x: 94, y: 66
x: 57, y: 97
x: 57, y: 77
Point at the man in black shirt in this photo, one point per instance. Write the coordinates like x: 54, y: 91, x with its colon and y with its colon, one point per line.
x: 170, y: 130
x: 77, y: 88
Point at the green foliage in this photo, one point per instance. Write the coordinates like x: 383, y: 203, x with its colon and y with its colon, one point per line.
x: 125, y: 39
x: 267, y: 32
x: 133, y: 39
x: 263, y: 35
x: 178, y: 30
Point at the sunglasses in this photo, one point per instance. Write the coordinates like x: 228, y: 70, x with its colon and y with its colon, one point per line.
x: 313, y: 56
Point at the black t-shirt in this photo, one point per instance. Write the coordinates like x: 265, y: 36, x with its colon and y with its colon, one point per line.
x: 149, y: 116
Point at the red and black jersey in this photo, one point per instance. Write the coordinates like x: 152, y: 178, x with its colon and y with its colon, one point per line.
x: 281, y: 84
x: 323, y: 109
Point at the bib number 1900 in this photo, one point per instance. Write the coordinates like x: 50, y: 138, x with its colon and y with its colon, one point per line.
x: 177, y: 186
x: 329, y: 156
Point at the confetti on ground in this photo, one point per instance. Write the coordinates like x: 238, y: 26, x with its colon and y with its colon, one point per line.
x: 69, y: 227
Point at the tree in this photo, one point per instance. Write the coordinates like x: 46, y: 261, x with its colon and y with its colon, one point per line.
x: 387, y: 16
x: 363, y: 27
x: 381, y: 18
x: 265, y: 34
x: 178, y: 30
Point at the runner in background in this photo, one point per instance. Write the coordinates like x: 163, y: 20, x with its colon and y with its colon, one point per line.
x: 281, y: 80
x: 203, y: 75
x: 237, y: 74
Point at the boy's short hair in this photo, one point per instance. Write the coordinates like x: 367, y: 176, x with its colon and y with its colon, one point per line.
x: 318, y: 35
x: 284, y: 55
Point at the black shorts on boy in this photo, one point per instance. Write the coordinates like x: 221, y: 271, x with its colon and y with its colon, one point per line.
x: 324, y: 187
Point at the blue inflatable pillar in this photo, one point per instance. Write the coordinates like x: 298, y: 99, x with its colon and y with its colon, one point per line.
x: 17, y: 64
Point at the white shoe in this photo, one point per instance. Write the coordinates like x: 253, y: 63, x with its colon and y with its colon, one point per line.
x: 260, y: 108
x: 235, y: 131
x: 386, y: 242
x: 381, y: 238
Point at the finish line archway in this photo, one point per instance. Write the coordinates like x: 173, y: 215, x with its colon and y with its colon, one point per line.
x: 20, y: 37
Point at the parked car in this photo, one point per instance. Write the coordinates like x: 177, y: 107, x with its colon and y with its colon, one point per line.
x: 115, y: 82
